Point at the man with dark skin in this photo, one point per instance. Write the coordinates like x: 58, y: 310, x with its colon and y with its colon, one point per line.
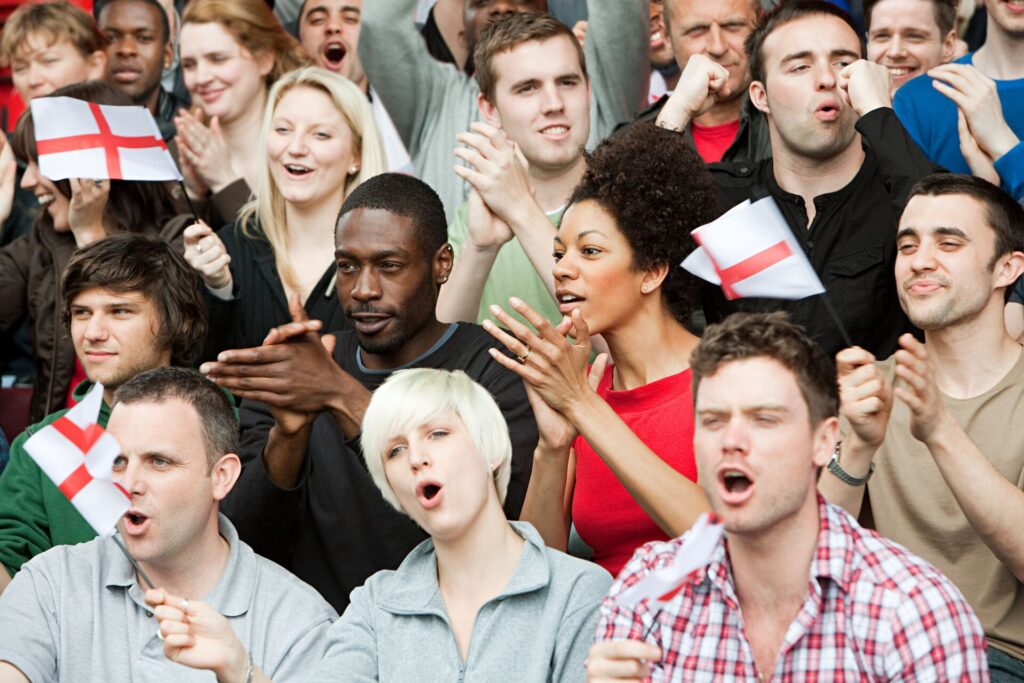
x: 304, y: 498
x: 138, y: 52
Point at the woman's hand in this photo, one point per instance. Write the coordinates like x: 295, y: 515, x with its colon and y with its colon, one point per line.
x: 8, y: 171
x: 85, y: 212
x: 204, y: 150
x: 206, y: 253
x: 547, y: 360
x: 197, y: 636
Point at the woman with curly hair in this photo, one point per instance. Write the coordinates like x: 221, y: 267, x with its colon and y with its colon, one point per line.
x: 615, y: 456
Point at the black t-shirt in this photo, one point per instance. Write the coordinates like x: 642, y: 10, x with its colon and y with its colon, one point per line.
x: 334, y: 529
x: 851, y: 243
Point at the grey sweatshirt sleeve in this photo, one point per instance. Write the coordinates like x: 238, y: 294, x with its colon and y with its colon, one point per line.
x: 618, y: 64
x: 409, y: 82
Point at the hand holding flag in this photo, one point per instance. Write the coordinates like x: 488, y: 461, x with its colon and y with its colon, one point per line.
x: 663, y: 584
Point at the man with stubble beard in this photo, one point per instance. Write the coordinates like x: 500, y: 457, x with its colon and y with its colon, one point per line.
x: 840, y: 170
x: 304, y: 498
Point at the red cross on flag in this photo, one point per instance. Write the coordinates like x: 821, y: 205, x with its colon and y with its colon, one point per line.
x: 664, y: 583
x: 79, y: 139
x: 78, y: 455
x: 750, y: 251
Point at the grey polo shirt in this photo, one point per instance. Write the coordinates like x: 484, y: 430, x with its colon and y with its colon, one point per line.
x: 540, y: 628
x: 75, y: 613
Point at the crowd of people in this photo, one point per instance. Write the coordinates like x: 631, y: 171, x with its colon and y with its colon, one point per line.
x: 410, y: 385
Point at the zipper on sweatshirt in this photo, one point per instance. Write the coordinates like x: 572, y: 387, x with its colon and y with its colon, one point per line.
x: 56, y: 333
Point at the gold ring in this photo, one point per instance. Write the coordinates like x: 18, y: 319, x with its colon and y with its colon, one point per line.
x: 522, y: 359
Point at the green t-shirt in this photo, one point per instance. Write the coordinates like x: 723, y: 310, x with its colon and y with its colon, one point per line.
x: 512, y: 273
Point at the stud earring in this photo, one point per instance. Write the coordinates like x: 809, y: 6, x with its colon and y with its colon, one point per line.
x: 353, y: 169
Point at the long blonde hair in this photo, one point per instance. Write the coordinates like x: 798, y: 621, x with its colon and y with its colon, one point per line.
x: 268, y: 207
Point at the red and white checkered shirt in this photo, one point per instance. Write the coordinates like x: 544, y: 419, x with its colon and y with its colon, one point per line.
x: 874, y: 612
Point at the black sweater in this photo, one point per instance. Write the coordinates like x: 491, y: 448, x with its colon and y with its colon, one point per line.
x: 334, y: 529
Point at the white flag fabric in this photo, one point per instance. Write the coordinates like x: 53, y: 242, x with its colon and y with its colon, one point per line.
x: 750, y: 251
x: 78, y: 455
x: 663, y: 584
x: 79, y: 139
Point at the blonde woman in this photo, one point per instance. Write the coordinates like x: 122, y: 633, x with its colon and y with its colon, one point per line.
x: 231, y: 52
x: 320, y: 142
x: 482, y: 599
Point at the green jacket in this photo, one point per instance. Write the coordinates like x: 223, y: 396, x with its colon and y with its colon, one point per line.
x: 34, y: 515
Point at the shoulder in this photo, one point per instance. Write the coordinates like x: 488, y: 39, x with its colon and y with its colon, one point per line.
x: 276, y: 584
x: 588, y: 582
x: 80, y: 564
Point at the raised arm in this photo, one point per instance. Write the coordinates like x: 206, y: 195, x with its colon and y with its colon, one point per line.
x: 617, y: 61
x: 408, y: 80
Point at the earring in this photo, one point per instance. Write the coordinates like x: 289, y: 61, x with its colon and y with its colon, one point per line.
x: 645, y: 288
x: 353, y: 169
x: 444, y: 279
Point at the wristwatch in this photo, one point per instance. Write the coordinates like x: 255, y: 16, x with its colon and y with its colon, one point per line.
x: 842, y: 475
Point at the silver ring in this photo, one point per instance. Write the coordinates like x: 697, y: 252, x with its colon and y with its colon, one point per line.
x: 184, y: 605
x: 159, y: 633
x: 522, y: 359
x: 199, y: 247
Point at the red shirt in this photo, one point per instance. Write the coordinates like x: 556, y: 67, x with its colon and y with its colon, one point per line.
x: 712, y: 141
x: 606, y: 516
x: 76, y: 378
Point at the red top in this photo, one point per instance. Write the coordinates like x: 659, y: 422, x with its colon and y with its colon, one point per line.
x: 606, y: 516
x: 712, y: 141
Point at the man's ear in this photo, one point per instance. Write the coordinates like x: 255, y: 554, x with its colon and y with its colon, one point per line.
x: 168, y: 55
x: 224, y: 474
x: 444, y: 259
x: 488, y: 111
x: 949, y: 47
x: 759, y: 96
x: 96, y: 65
x: 825, y: 436
x: 1008, y: 269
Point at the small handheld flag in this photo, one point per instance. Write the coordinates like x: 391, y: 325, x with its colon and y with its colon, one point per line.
x: 78, y: 455
x: 751, y: 252
x: 664, y: 583
x: 79, y: 139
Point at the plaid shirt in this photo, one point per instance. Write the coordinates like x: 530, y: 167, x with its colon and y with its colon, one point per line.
x: 873, y: 612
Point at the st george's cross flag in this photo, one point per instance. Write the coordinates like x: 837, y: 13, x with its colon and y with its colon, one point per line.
x: 664, y: 583
x: 78, y: 456
x: 750, y: 251
x: 78, y: 139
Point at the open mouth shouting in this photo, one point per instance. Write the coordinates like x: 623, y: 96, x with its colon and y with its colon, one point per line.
x: 735, y: 485
x: 568, y: 301
x: 334, y: 54
x: 297, y: 170
x: 135, y: 523
x: 429, y: 493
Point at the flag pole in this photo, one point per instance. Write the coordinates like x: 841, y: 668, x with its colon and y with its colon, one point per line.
x: 131, y: 559
x: 195, y: 215
x: 835, y: 317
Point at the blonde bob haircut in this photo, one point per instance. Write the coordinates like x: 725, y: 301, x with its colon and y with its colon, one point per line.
x: 268, y: 206
x: 413, y: 397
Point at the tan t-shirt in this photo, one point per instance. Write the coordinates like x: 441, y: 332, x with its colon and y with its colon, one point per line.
x: 913, y: 505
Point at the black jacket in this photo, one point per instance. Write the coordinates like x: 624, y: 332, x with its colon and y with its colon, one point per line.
x: 334, y: 530
x: 258, y: 300
x: 851, y: 242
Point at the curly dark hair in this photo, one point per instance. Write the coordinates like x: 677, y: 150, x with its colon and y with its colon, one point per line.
x: 657, y: 189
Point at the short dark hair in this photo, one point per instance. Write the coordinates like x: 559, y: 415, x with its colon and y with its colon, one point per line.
x: 510, y: 31
x: 1005, y: 216
x: 406, y: 196
x: 165, y: 24
x: 774, y: 336
x: 137, y: 263
x: 788, y: 11
x: 657, y: 189
x: 214, y: 408
x: 131, y: 205
x: 944, y: 10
